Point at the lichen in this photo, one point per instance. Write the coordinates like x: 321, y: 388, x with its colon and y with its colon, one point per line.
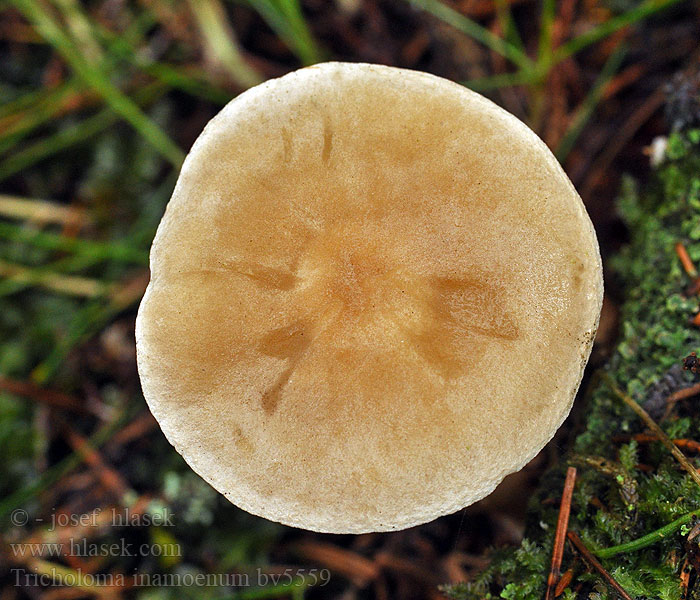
x: 626, y: 489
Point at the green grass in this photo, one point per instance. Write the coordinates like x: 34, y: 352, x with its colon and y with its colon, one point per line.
x: 90, y: 249
x: 469, y: 27
x: 588, y: 106
x: 220, y: 40
x: 68, y: 137
x: 97, y: 80
x: 533, y: 72
x: 50, y: 476
x: 286, y: 19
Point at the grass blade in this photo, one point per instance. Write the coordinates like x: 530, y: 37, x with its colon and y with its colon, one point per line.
x: 476, y: 31
x: 64, y: 138
x: 87, y: 322
x: 51, y: 241
x: 544, y: 47
x: 44, y: 23
x: 123, y: 47
x: 304, y: 42
x: 221, y: 43
x: 44, y: 211
x: 70, y: 285
x: 585, y: 110
x: 500, y: 80
x: 22, y: 102
x: 67, y: 264
x: 169, y: 75
x: 507, y: 24
x: 287, y: 20
x: 54, y: 102
x: 648, y: 539
x: 49, y: 477
x: 643, y: 10
x: 80, y: 27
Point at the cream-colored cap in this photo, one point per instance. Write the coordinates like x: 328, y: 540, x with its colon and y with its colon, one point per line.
x: 373, y: 296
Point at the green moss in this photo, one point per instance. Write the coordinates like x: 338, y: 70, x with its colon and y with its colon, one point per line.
x: 616, y: 500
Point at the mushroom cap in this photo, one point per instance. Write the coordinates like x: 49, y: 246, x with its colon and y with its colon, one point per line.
x: 373, y: 296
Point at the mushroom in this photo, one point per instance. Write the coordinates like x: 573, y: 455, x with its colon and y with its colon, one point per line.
x: 373, y: 296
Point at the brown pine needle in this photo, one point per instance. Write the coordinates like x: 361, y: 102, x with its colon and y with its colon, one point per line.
x: 656, y: 430
x: 355, y: 567
x: 686, y: 261
x: 645, y: 438
x: 560, y: 535
x: 107, y: 475
x: 593, y: 562
x: 138, y: 428
x: 564, y: 583
x: 688, y: 392
x: 43, y: 395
